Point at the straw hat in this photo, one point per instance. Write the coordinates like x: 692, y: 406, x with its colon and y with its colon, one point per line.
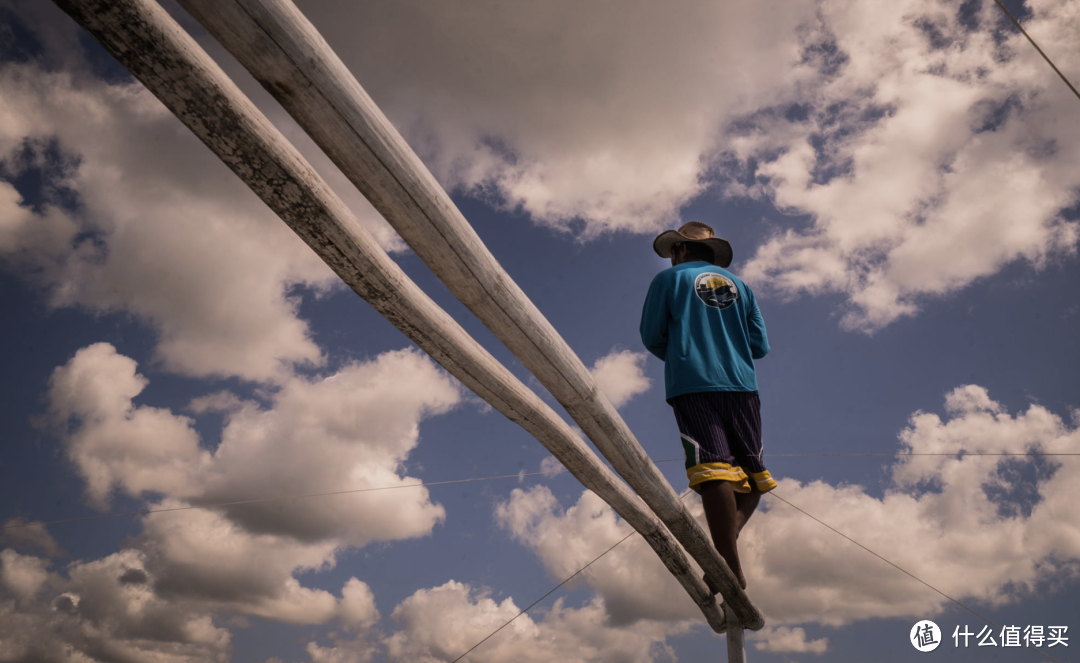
x: 694, y: 231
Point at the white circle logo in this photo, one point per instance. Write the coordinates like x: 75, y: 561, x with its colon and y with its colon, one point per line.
x: 925, y: 635
x: 714, y: 290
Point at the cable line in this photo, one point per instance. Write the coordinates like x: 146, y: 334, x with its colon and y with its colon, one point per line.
x: 1045, y: 57
x: 442, y: 483
x: 899, y: 568
x: 921, y: 454
x: 773, y: 494
x: 598, y: 557
x: 550, y: 591
x: 273, y: 499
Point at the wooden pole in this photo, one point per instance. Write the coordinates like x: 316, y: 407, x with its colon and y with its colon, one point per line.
x: 275, y: 42
x: 177, y: 71
x: 736, y: 650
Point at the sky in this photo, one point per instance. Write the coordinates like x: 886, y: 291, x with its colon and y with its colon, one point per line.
x: 901, y: 186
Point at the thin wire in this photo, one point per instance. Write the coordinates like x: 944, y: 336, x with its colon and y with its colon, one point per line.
x: 568, y: 579
x: 273, y: 499
x: 1045, y: 57
x: 923, y: 454
x: 440, y: 483
x: 897, y: 567
x: 549, y: 593
x: 598, y: 557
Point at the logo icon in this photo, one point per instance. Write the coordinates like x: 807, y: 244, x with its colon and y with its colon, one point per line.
x: 925, y: 635
x: 715, y: 290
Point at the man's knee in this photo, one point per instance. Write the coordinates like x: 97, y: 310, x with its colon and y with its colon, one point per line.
x: 715, y: 485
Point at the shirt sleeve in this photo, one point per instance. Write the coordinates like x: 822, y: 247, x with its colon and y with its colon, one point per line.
x: 654, y: 319
x: 759, y: 340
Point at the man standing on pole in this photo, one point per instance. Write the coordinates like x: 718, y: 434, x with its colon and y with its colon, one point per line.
x: 704, y: 323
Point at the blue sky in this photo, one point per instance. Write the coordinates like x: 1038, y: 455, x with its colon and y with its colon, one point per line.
x: 901, y: 190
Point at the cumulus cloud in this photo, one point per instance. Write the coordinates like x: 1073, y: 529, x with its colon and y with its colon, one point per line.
x: 251, y: 573
x: 924, y: 148
x: 22, y: 575
x: 350, y: 430
x: 342, y: 651
x: 176, y: 241
x: 133, y: 214
x: 631, y: 581
x: 19, y: 535
x: 441, y: 623
x: 918, y: 150
x: 158, y: 599
x: 586, y: 118
x: 114, y: 442
x: 782, y: 639
x: 989, y: 528
x: 551, y: 464
x: 621, y: 375
x: 105, y: 610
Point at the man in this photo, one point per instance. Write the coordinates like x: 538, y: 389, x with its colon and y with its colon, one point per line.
x: 704, y: 323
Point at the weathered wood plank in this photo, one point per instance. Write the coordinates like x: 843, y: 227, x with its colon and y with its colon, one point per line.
x: 174, y: 68
x: 284, y: 51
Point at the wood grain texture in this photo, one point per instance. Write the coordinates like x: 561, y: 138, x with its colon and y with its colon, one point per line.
x: 178, y: 72
x: 288, y: 56
x: 736, y: 647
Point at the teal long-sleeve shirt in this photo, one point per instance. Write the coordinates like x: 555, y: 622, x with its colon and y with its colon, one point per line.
x: 705, y: 324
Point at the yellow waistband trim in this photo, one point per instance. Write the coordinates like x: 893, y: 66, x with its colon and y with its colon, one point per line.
x: 734, y: 470
x: 764, y: 481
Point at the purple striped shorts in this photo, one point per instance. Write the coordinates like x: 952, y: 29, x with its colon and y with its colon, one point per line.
x: 721, y: 435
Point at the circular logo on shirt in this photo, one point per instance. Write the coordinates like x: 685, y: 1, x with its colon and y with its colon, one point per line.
x: 715, y: 290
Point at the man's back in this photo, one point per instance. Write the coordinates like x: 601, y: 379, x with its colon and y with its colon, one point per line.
x: 704, y: 323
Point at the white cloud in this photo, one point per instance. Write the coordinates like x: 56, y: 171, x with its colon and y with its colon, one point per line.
x: 350, y: 430
x: 22, y: 575
x: 567, y: 109
x: 136, y: 215
x: 788, y: 640
x: 631, y: 581
x: 32, y: 537
x: 250, y: 573
x: 919, y: 153
x: 158, y: 599
x: 162, y: 229
x: 105, y: 610
x: 342, y: 651
x: 358, y: 605
x: 441, y: 623
x: 925, y: 154
x: 115, y: 443
x: 551, y: 464
x: 621, y: 375
x: 986, y: 528
x: 991, y: 529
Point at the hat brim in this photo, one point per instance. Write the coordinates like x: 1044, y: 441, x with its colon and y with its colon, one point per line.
x: 720, y: 247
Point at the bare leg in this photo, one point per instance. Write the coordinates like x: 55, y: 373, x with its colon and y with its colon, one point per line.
x: 745, y: 504
x: 722, y: 514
